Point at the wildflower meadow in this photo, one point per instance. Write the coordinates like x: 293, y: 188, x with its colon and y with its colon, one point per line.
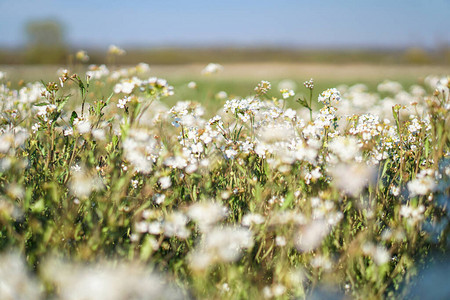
x: 285, y: 192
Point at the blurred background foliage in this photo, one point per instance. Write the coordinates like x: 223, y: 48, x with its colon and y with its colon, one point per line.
x: 46, y: 44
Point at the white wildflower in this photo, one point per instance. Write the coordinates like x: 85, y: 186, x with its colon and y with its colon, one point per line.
x: 212, y: 68
x: 165, y: 182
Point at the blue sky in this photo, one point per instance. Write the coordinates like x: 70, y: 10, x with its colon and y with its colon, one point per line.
x: 94, y: 23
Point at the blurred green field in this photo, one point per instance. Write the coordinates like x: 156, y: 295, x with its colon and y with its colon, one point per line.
x: 240, y: 79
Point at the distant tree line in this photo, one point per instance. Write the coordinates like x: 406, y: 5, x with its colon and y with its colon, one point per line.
x: 46, y: 43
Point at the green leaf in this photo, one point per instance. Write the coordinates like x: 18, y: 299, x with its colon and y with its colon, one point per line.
x: 147, y: 247
x: 41, y: 104
x: 38, y: 206
x: 385, y: 167
x: 109, y: 99
x: 72, y: 117
x: 287, y: 201
x: 62, y: 103
x: 82, y: 88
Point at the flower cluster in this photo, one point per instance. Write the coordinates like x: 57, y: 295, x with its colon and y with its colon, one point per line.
x: 329, y: 96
